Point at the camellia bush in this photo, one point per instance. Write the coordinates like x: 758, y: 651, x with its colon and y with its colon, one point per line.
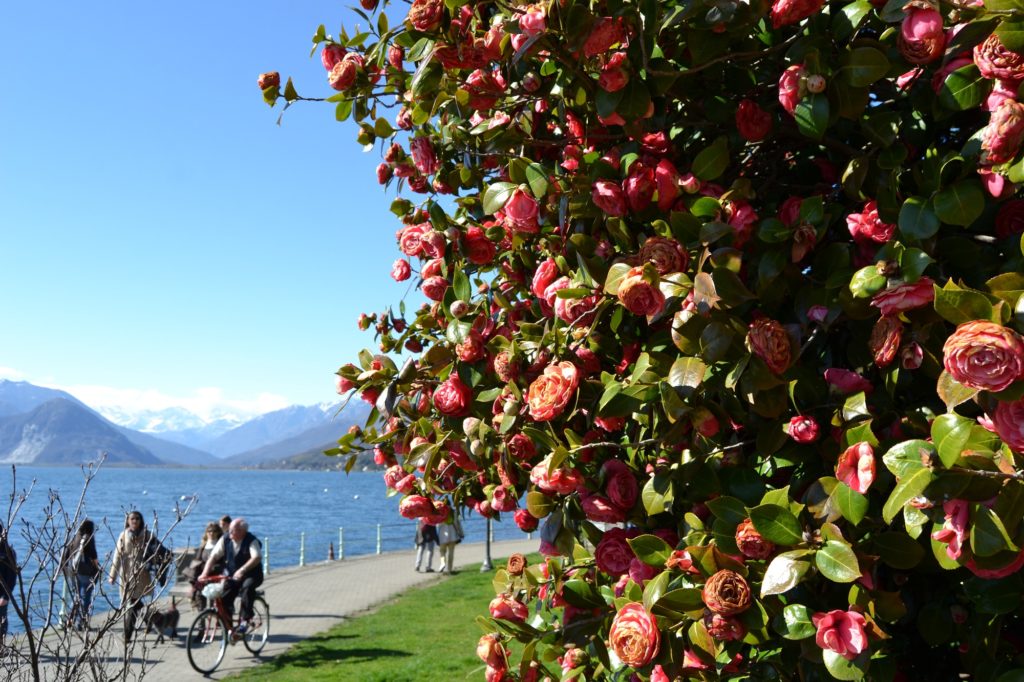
x: 724, y: 297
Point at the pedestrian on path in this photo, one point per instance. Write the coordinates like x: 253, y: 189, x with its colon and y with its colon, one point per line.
x: 137, y: 549
x: 449, y: 534
x: 81, y: 565
x: 8, y: 579
x: 426, y: 540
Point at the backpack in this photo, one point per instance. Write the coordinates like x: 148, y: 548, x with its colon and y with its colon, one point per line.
x: 159, y: 560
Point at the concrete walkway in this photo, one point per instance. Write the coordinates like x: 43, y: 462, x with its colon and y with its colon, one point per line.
x: 309, y: 600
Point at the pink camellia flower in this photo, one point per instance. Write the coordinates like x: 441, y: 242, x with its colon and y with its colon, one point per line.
x: 921, y: 36
x: 613, y: 553
x: 410, y: 239
x: 545, y: 275
x: 415, y: 506
x: 996, y: 573
x: 400, y: 270
x: 984, y: 355
x: 549, y: 393
x: 620, y: 484
x: 343, y: 385
x: 484, y: 88
x: 842, y: 632
x: 639, y: 186
x: 785, y: 12
x: 491, y: 651
x: 343, y: 75
x: 847, y: 381
x: 396, y: 56
x: 1008, y: 422
x: 609, y: 197
x: 905, y: 296
x: 666, y: 177
x: 817, y: 313
x: 856, y: 467
x: 741, y: 217
x: 954, y: 530
x: 750, y: 542
x: 526, y: 521
x: 884, y: 341
x: 423, y: 156
x: 724, y: 628
x: 599, y: 509
x: 452, y: 398
x: 639, y: 295
x: 634, y: 635
x: 666, y: 254
x: 271, y: 79
x: 866, y: 225
x: 478, y: 248
x: 606, y: 32
x: 1003, y: 135
x: 534, y: 21
x: 753, y: 122
x: 434, y: 288
x: 331, y: 55
x: 803, y: 429
x: 614, y: 75
x: 522, y: 210
x: 425, y: 15
x: 768, y: 340
x: 640, y: 573
x: 384, y: 173
x: 432, y: 268
x: 995, y: 60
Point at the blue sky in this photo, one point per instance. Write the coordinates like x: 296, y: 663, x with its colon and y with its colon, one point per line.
x: 162, y: 239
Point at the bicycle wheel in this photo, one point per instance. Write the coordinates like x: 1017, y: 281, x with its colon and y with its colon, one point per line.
x: 207, y: 641
x: 259, y: 628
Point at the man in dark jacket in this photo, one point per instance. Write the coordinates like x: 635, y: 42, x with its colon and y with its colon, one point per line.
x: 240, y: 551
x: 8, y: 579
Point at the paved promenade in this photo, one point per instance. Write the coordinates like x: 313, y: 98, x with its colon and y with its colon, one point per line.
x: 308, y: 600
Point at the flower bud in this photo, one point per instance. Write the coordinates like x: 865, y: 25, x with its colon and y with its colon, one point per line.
x: 458, y: 308
x: 816, y: 84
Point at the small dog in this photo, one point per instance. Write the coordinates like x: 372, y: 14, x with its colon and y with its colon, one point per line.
x: 163, y: 622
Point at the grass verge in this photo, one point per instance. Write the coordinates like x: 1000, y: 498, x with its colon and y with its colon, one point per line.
x: 426, y: 633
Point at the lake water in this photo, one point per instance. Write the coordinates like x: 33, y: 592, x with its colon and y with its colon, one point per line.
x: 279, y: 505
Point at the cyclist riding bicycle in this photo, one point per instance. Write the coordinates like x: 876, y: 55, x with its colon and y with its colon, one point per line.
x: 243, y: 566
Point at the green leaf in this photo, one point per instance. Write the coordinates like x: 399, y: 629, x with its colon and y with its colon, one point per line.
x: 537, y: 178
x: 713, y: 160
x: 837, y: 562
x: 795, y: 622
x: 728, y: 509
x: 988, y: 535
x: 961, y: 203
x: 657, y: 494
x: 686, y: 599
x: 950, y: 433
x: 496, y: 196
x: 907, y: 488
x: 1011, y: 35
x: 812, y: 115
x: 785, y: 571
x: 776, y: 524
x: 614, y: 278
x: 851, y: 504
x: 687, y: 372
x: 958, y: 305
x: 863, y: 66
x: 867, y: 282
x: 650, y: 549
x: 964, y: 89
x: 898, y: 550
x: 538, y: 504
x: 848, y: 19
x: 917, y: 219
x: 460, y: 285
x: 842, y: 669
x: 655, y: 589
x: 952, y: 392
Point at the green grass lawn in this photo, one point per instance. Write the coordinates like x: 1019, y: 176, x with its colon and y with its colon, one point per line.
x: 427, y: 633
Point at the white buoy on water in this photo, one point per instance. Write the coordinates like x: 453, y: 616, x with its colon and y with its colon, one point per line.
x: 355, y: 497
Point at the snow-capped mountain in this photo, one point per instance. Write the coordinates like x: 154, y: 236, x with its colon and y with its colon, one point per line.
x: 176, y: 423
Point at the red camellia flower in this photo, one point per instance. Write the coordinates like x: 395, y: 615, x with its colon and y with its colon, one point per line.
x: 750, y: 542
x: 792, y: 87
x: 866, y: 225
x: 599, y: 509
x: 856, y: 467
x: 607, y: 32
x: 613, y: 553
x: 984, y: 355
x: 1010, y: 219
x: 803, y: 429
x: 785, y: 12
x: 415, y: 506
x: 614, y: 75
x: 753, y: 122
x: 1003, y: 135
x: 478, y: 248
x: 634, y: 635
x: 1008, y: 421
x: 723, y: 628
x: 726, y: 593
x: 526, y: 521
x: 954, y: 531
x: 271, y: 79
x: 666, y: 254
x: 560, y: 481
x: 331, y: 55
x: 342, y: 75
x: 996, y: 61
x: 905, y: 296
x: 885, y: 340
x: 609, y: 197
x: 434, y: 288
x: 639, y: 295
x: 534, y: 21
x: 521, y: 447
x: 667, y: 179
x: 842, y: 632
x: 401, y: 270
x: 425, y: 15
x: 549, y: 394
x: 921, y: 36
x: 639, y: 187
x: 521, y: 210
x: 769, y: 341
x: 452, y: 398
x: 423, y: 155
x: 620, y: 484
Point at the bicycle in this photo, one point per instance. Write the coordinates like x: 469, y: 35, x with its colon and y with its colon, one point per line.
x: 212, y: 630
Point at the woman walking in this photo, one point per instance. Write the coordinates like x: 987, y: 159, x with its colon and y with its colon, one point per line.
x: 81, y: 566
x: 136, y: 547
x: 426, y: 539
x: 449, y: 534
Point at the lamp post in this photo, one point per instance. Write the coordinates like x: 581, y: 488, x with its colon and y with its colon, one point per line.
x: 487, y: 565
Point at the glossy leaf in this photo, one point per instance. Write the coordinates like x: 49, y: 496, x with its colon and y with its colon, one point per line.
x: 837, y: 562
x: 776, y: 524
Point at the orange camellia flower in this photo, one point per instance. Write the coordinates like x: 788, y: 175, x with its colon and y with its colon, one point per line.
x: 885, y: 340
x: 770, y: 342
x: 726, y: 593
x: 640, y: 296
x: 552, y: 390
x: 984, y: 355
x: 750, y: 542
x: 634, y: 635
x: 516, y: 564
